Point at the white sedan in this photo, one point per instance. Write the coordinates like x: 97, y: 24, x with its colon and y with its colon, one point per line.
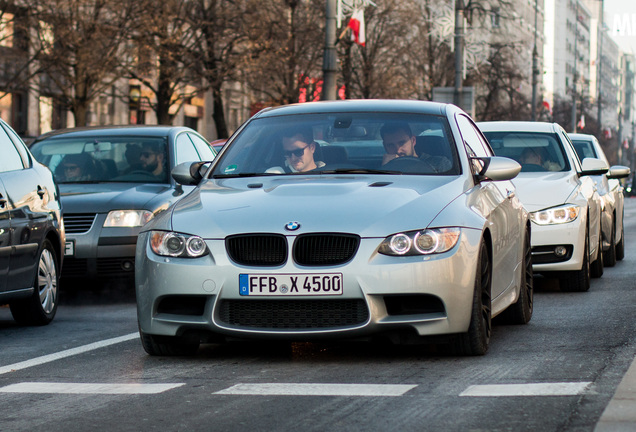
x: 560, y: 194
x: 612, y: 195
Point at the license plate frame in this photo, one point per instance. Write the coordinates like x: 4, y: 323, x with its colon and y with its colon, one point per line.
x: 290, y: 284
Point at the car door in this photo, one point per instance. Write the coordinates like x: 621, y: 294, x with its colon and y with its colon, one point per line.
x: 28, y: 215
x: 5, y: 238
x: 499, y: 197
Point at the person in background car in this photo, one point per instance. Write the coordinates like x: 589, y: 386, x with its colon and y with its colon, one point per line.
x: 75, y: 168
x: 152, y: 158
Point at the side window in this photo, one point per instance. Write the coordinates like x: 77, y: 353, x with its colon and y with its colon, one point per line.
x: 185, y: 150
x: 11, y: 159
x: 203, y: 147
x: 19, y: 144
x: 569, y: 149
x: 473, y: 137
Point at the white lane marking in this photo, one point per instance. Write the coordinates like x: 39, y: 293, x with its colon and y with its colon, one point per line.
x: 66, y: 353
x: 302, y: 389
x: 536, y: 389
x: 87, y: 388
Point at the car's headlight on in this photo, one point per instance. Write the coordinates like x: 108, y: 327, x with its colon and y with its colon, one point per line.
x: 127, y: 218
x: 422, y: 242
x: 174, y: 244
x: 556, y: 215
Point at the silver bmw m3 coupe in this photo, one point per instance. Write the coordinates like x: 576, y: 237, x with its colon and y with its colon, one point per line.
x: 346, y: 219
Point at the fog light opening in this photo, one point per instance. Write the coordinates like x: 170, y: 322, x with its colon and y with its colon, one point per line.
x: 127, y: 265
x: 560, y: 251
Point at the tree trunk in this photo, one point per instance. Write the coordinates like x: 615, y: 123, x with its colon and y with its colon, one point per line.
x: 219, y: 115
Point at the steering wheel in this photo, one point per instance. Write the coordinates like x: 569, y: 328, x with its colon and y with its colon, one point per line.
x: 410, y: 164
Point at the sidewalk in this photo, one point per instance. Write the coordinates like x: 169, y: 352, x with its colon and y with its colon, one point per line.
x: 620, y: 413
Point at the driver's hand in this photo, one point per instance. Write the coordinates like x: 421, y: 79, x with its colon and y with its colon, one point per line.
x: 388, y: 157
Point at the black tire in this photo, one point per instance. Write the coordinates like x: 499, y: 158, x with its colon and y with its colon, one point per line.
x: 168, y: 345
x: 476, y: 340
x: 578, y: 280
x: 40, y: 308
x: 598, y: 266
x: 609, y: 256
x: 520, y: 312
x: 620, y: 246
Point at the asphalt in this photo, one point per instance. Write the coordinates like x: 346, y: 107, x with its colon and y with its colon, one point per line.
x: 620, y: 413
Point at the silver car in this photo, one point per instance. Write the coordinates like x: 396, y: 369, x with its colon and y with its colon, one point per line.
x: 559, y: 192
x: 431, y: 243
x: 611, y: 192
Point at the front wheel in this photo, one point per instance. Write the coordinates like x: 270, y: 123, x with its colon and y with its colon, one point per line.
x: 476, y: 340
x: 579, y: 280
x: 609, y: 256
x: 597, y: 267
x: 620, y: 246
x: 520, y: 312
x: 40, y: 308
x: 168, y: 345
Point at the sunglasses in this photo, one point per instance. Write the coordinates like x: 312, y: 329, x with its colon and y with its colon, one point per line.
x: 298, y: 152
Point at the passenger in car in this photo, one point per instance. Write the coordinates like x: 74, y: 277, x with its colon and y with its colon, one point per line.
x: 75, y: 168
x: 299, y: 148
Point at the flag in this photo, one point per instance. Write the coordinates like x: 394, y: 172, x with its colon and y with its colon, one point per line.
x: 607, y: 133
x: 546, y: 105
x: 356, y: 24
x: 581, y: 124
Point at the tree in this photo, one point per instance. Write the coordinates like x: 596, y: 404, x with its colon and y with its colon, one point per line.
x: 77, y: 47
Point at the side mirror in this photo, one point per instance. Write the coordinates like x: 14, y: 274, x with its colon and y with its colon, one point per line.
x: 593, y: 166
x: 618, y: 172
x: 189, y: 173
x: 499, y: 168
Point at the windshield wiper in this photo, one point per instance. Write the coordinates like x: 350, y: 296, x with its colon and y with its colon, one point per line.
x: 358, y: 171
x: 240, y: 175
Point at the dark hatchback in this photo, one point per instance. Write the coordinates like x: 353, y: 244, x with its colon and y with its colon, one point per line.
x: 31, y: 233
x: 112, y: 181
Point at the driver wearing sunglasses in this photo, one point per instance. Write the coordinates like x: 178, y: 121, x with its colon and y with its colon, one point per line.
x: 298, y: 149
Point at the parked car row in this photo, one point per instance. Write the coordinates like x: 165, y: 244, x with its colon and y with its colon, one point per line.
x: 403, y: 220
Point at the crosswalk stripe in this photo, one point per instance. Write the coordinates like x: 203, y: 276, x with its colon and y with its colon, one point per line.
x: 303, y: 389
x: 87, y: 388
x: 529, y: 389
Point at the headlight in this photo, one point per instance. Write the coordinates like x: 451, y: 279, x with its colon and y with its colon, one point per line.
x: 127, y: 218
x: 174, y: 244
x: 423, y: 242
x: 556, y: 215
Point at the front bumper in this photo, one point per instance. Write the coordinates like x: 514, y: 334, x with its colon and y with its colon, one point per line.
x: 424, y: 295
x: 99, y: 252
x: 545, y: 238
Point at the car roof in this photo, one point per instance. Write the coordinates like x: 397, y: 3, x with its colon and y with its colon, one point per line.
x: 580, y: 136
x: 359, y: 105
x: 517, y: 126
x: 120, y: 130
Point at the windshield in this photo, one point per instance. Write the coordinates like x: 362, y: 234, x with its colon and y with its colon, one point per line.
x: 104, y: 159
x: 381, y: 143
x: 535, y: 151
x: 584, y: 149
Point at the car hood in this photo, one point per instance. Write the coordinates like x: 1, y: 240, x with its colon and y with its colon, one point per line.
x: 539, y: 190
x: 371, y: 206
x: 103, y: 197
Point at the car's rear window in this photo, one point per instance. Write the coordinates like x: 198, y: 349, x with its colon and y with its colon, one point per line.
x: 535, y: 151
x: 104, y: 159
x: 341, y: 143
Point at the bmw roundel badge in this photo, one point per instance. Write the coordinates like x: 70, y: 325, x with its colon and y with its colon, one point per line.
x: 292, y: 226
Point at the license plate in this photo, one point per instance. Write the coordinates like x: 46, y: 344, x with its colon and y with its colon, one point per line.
x: 323, y: 284
x: 69, y: 248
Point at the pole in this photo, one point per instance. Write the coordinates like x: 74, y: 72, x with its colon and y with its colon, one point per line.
x: 601, y: 33
x: 576, y: 36
x: 459, y: 51
x: 535, y: 66
x: 329, y: 63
